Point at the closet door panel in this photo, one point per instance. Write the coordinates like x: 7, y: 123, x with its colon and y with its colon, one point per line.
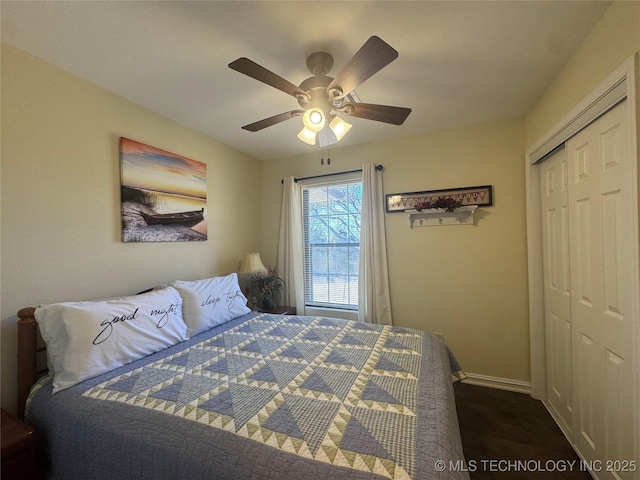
x: 587, y: 399
x: 600, y: 232
x: 555, y: 231
x: 617, y: 329
x: 584, y: 217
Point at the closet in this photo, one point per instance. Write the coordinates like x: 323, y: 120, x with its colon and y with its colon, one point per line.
x: 589, y: 230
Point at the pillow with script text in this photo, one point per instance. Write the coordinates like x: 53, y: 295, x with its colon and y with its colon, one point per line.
x: 85, y: 339
x: 211, y: 302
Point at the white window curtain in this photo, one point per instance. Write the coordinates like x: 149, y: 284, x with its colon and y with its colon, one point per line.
x: 290, y: 263
x: 374, y: 300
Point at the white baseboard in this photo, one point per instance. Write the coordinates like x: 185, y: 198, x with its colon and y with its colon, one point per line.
x: 499, y: 383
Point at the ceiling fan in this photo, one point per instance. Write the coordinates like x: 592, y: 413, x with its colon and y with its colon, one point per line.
x: 322, y: 97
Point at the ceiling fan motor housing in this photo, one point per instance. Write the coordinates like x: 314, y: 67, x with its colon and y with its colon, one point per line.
x: 316, y: 86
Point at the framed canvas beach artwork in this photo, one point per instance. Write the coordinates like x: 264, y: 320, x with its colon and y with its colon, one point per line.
x: 163, y: 195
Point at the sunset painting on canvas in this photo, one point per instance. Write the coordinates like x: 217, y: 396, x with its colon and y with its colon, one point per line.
x: 164, y: 195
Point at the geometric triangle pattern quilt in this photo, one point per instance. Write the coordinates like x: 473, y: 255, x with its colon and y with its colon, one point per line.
x: 338, y: 392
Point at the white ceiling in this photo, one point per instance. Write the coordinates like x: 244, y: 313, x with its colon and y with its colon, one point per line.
x: 459, y: 62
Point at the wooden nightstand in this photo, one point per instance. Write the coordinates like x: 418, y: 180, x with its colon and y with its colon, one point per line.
x: 281, y: 310
x: 18, y: 449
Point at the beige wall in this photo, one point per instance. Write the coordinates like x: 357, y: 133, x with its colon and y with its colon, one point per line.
x: 615, y: 38
x: 60, y: 204
x: 60, y: 197
x: 468, y: 282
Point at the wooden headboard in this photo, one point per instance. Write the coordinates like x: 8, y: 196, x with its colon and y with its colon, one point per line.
x: 28, y: 372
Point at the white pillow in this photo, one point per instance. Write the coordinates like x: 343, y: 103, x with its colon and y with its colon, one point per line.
x: 85, y: 339
x: 211, y: 302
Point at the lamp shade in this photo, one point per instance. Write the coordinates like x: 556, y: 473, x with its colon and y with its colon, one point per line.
x: 313, y: 119
x: 252, y: 265
x: 307, y: 136
x: 339, y: 127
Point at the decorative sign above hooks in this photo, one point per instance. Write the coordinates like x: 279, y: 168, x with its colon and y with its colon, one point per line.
x: 458, y: 197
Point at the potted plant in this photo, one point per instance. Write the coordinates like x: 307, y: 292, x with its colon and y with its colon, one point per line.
x: 268, y: 291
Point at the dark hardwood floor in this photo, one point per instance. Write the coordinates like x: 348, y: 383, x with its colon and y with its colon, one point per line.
x: 499, y: 428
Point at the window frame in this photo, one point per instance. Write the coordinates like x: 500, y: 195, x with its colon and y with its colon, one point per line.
x: 348, y: 178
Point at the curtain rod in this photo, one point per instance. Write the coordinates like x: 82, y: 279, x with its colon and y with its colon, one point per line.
x: 378, y: 168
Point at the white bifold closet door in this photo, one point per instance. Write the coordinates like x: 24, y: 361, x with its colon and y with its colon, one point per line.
x: 588, y: 235
x: 600, y: 233
x: 557, y: 287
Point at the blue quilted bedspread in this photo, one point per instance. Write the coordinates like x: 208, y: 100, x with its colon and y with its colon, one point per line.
x: 263, y: 397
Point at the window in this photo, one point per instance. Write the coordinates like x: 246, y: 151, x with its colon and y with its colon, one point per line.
x: 331, y: 223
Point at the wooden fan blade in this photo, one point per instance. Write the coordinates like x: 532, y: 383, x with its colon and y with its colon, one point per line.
x: 253, y: 70
x: 374, y: 55
x: 267, y: 122
x: 379, y: 113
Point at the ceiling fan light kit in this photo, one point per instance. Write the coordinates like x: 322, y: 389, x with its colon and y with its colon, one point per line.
x: 314, y: 119
x: 339, y: 127
x: 307, y: 136
x: 323, y: 97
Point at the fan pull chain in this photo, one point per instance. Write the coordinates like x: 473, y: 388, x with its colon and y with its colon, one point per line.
x: 328, y: 159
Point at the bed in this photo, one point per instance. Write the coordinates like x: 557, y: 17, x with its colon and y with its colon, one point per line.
x: 257, y: 396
